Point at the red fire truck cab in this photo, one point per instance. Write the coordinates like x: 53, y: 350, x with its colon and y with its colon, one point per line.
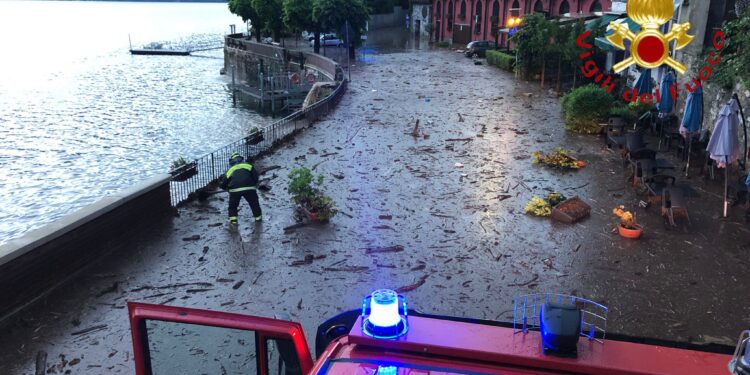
x: 551, y: 334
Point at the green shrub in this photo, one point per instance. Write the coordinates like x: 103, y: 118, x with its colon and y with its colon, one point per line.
x: 306, y: 191
x: 585, y: 107
x: 501, y: 60
x: 640, y: 108
x: 444, y: 44
x: 625, y: 113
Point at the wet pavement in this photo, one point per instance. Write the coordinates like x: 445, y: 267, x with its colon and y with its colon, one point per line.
x: 440, y: 215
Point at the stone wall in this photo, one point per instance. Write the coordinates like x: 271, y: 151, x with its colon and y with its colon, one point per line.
x: 395, y: 19
x: 41, y: 260
x: 246, y: 56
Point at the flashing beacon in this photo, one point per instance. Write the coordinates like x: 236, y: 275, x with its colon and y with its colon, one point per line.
x: 384, y: 314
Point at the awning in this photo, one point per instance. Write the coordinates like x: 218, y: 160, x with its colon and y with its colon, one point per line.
x: 604, y: 44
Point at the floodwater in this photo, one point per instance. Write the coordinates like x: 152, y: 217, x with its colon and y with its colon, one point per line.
x: 437, y: 217
x: 81, y: 118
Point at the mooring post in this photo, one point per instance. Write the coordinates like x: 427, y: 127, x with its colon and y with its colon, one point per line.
x: 130, y: 44
x: 234, y: 89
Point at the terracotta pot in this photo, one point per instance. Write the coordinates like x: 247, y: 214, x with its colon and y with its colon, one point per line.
x: 630, y: 233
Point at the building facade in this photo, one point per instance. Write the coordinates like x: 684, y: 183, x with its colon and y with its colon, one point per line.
x: 462, y: 21
x: 421, y: 15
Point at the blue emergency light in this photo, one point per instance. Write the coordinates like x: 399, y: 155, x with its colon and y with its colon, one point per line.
x: 384, y: 314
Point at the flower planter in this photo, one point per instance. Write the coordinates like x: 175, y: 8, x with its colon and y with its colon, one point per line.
x: 630, y: 233
x: 312, y: 216
x: 184, y: 172
x: 254, y: 139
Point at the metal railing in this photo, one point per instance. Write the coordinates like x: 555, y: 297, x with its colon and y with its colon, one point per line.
x: 526, y: 309
x: 196, y: 175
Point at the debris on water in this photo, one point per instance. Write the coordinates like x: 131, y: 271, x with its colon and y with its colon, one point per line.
x: 308, y: 260
x: 385, y: 217
x: 383, y: 227
x: 215, y: 225
x: 415, y: 131
x: 347, y: 269
x: 410, y: 287
x: 238, y: 284
x: 460, y: 118
x: 458, y: 165
x: 338, y: 176
x: 111, y: 289
x: 535, y: 278
x: 89, y: 330
x: 419, y: 267
x: 459, y: 139
x: 194, y: 237
x: 41, y: 362
x: 386, y: 249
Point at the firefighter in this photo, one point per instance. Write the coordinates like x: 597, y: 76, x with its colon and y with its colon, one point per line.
x: 241, y: 181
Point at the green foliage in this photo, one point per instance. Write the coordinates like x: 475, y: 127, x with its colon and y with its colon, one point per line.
x: 333, y: 15
x: 381, y: 6
x: 532, y: 40
x: 585, y: 107
x: 444, y: 44
x: 298, y: 15
x: 271, y: 11
x: 626, y: 113
x: 501, y: 60
x: 640, y: 108
x: 246, y: 11
x: 735, y: 59
x: 538, y: 207
x: 306, y: 191
x: 179, y: 162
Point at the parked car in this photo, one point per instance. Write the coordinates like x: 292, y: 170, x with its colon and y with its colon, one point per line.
x: 479, y: 48
x: 308, y: 36
x: 328, y: 40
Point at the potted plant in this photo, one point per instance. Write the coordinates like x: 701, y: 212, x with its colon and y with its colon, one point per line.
x: 255, y: 137
x: 628, y: 227
x: 307, y: 193
x: 181, y: 170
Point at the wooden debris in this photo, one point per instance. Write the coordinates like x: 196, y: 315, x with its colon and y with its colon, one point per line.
x: 409, y: 288
x: 386, y: 249
x: 89, y: 330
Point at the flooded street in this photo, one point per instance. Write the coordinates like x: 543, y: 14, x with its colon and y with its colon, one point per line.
x: 439, y: 216
x: 80, y: 118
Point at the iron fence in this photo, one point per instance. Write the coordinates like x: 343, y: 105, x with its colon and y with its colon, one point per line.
x: 198, y: 174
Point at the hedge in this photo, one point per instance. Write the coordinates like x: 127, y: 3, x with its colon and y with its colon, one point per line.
x: 444, y: 44
x: 585, y: 107
x: 501, y: 60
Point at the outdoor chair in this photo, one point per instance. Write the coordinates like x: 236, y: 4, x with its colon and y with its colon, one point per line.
x: 615, y: 132
x: 673, y: 204
x: 669, y: 131
x: 655, y: 185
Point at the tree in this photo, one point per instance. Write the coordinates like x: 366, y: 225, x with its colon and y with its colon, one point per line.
x: 532, y: 39
x: 245, y: 9
x: 333, y: 15
x: 271, y: 11
x: 298, y: 16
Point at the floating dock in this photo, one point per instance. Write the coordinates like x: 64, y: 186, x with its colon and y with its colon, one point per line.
x: 159, y: 52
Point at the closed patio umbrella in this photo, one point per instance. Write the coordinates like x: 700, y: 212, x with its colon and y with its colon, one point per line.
x: 666, y: 102
x: 692, y: 121
x: 643, y: 83
x: 724, y: 146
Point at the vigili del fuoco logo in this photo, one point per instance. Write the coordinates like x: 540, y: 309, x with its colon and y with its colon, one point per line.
x: 649, y: 49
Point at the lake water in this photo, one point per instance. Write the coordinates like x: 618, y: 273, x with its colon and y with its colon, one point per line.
x: 81, y: 118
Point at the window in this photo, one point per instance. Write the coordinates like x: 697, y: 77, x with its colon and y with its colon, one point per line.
x: 495, y: 17
x: 596, y: 7
x: 564, y: 7
x: 439, y: 9
x: 539, y: 7
x: 450, y: 16
x: 478, y: 19
x: 462, y: 13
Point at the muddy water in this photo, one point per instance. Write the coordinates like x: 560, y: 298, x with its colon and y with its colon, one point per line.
x: 459, y: 244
